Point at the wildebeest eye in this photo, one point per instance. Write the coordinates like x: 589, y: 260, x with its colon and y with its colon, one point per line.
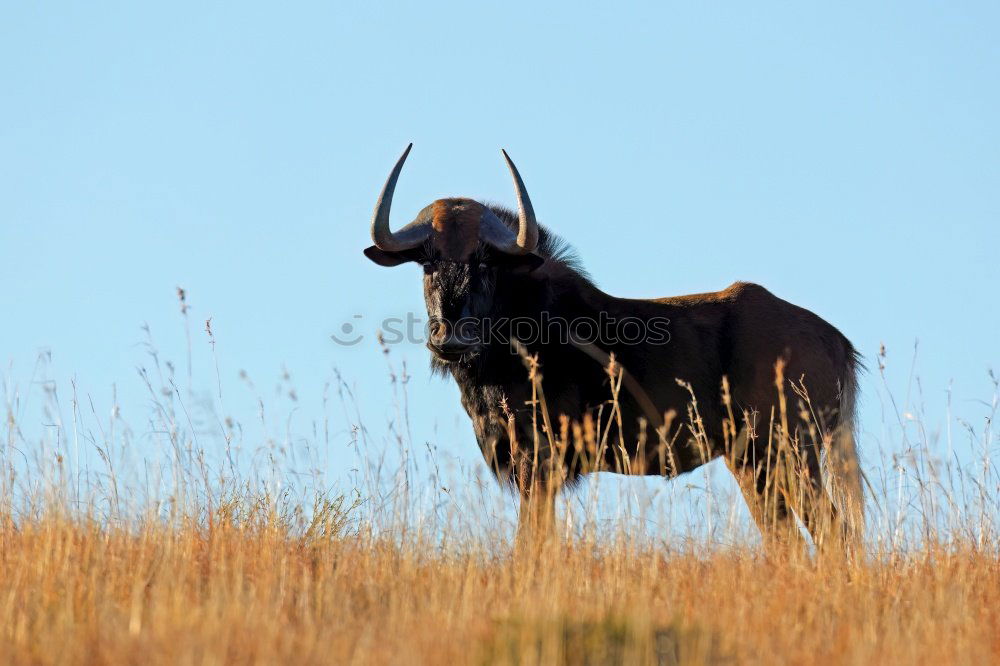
x: 483, y: 266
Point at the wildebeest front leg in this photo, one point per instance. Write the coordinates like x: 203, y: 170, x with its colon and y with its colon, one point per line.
x: 539, y: 480
x: 537, y: 514
x: 530, y: 470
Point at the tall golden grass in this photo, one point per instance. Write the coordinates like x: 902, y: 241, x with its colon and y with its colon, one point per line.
x: 206, y: 559
x: 243, y: 593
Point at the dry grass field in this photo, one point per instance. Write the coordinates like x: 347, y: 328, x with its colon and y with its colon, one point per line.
x: 253, y: 591
x: 191, y: 561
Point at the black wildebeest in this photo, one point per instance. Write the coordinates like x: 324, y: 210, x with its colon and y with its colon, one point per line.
x: 484, y: 264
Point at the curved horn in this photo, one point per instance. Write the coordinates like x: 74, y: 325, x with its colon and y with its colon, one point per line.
x: 527, y: 232
x: 382, y: 236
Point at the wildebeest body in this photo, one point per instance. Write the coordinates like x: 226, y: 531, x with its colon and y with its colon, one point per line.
x: 718, y: 371
x: 739, y: 332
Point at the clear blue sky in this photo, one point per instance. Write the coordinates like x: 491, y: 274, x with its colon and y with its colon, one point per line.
x: 847, y: 158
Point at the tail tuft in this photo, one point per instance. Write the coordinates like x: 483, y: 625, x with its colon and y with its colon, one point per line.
x: 842, y: 458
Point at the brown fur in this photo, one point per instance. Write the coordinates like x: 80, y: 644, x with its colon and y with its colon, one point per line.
x: 456, y: 227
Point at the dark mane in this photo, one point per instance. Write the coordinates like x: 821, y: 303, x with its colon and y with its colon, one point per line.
x: 550, y: 246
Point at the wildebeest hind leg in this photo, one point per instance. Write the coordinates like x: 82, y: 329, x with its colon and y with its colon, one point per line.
x: 768, y: 508
x: 831, y: 527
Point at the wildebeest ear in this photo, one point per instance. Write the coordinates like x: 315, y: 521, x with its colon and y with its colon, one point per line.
x: 389, y: 259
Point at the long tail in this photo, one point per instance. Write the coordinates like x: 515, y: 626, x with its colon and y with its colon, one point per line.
x: 842, y: 456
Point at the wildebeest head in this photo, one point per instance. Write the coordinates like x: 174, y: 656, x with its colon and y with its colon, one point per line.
x: 465, y: 249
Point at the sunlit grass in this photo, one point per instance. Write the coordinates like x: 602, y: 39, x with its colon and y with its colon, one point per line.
x: 75, y: 592
x: 187, y: 553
